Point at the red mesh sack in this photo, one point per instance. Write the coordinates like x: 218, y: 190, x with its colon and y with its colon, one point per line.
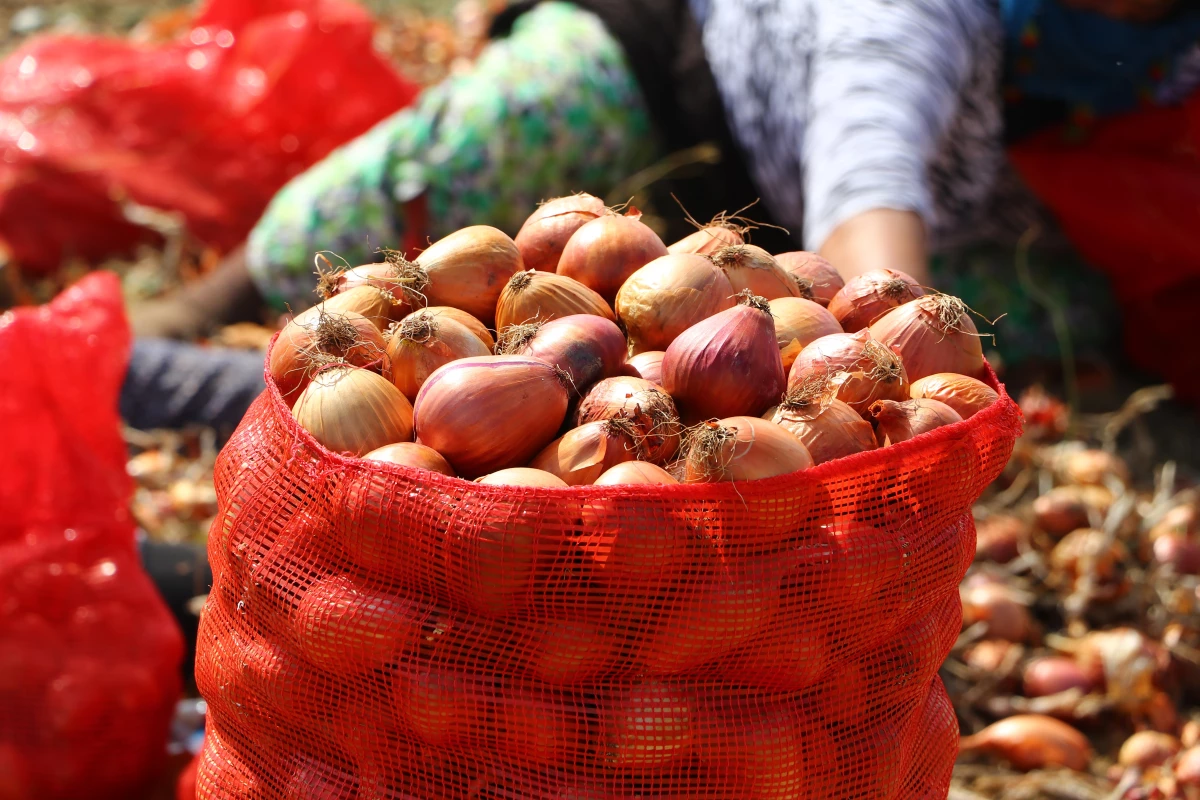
x: 380, y: 632
x: 210, y: 126
x: 89, y: 654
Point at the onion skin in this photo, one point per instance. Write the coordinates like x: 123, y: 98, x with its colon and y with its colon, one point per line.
x: 872, y: 370
x: 588, y: 348
x: 647, y: 365
x: 542, y: 296
x: 990, y: 655
x: 411, y: 454
x: 583, y: 454
x: 799, y: 323
x: 469, y: 268
x: 816, y: 277
x: 967, y: 396
x: 351, y: 410
x: 998, y: 538
x: 522, y: 476
x: 706, y: 241
x: 649, y: 725
x: 1032, y: 741
x: 753, y: 269
x: 296, y: 354
x: 830, y: 433
x: 933, y: 334
x: 994, y: 604
x: 603, y: 253
x: 402, y: 279
x: 726, y: 365
x: 1146, y: 749
x: 742, y: 449
x: 1091, y: 467
x: 421, y: 344
x: 669, y: 295
x: 1054, y: 674
x: 868, y: 297
x: 640, y: 473
x: 546, y: 232
x: 644, y: 404
x: 899, y: 422
x: 375, y: 304
x: 463, y: 318
x: 490, y: 413
x: 1066, y: 508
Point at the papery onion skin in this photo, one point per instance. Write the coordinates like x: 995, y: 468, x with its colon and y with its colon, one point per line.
x: 742, y: 449
x: 631, y: 473
x: 832, y: 433
x: 994, y: 603
x: 816, y: 277
x: 522, y: 476
x: 726, y: 365
x: 750, y: 268
x: 867, y: 297
x: 603, y: 253
x: 351, y: 410
x: 469, y: 268
x: 647, y: 365
x: 546, y: 232
x: 799, y: 323
x: 899, y: 422
x: 669, y: 295
x: 933, y: 334
x: 421, y: 343
x: 1032, y: 741
x: 583, y: 454
x: 706, y: 241
x: 1145, y: 749
x: 645, y: 404
x: 490, y: 413
x: 411, y: 454
x: 542, y: 296
x: 872, y: 370
x: 967, y: 396
x: 347, y: 335
x: 463, y: 318
x: 588, y: 348
x: 1054, y: 674
x: 402, y: 279
x: 377, y: 305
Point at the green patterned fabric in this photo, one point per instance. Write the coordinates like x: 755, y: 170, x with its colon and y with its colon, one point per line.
x: 551, y: 109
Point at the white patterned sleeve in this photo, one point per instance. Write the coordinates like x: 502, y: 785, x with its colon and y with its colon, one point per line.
x: 885, y: 84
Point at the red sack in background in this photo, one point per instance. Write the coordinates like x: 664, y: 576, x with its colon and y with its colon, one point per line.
x: 210, y: 127
x: 89, y: 654
x: 1128, y: 197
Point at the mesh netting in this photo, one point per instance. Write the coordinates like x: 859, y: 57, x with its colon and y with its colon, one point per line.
x: 379, y: 632
x: 89, y: 655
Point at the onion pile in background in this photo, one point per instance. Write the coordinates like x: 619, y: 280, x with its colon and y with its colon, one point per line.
x: 711, y: 359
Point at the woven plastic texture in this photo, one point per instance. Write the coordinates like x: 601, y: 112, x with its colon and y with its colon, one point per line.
x: 376, y: 632
x: 89, y: 654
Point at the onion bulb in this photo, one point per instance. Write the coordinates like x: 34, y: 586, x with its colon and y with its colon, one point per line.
x: 1187, y: 767
x: 994, y: 603
x: 545, y: 233
x: 586, y: 347
x: 604, y: 252
x: 1090, y: 467
x: 707, y: 240
x: 463, y: 318
x: 825, y: 425
x: 396, y: 275
x: 420, y: 343
x: 491, y: 412
x: 741, y: 449
x: 411, y: 454
x: 378, y: 305
x: 522, y: 476
x: 1065, y: 508
x: 967, y: 396
x: 469, y: 268
x: 1146, y: 749
x: 998, y: 538
x: 863, y: 369
x: 351, y: 410
x: 753, y: 269
x: 669, y: 295
x: 799, y: 323
x: 648, y: 725
x: 647, y: 365
x: 726, y: 365
x: 867, y: 297
x: 933, y: 334
x: 1032, y: 741
x: 899, y: 422
x: 583, y: 454
x: 532, y: 296
x: 317, y: 336
x: 646, y: 405
x: 1180, y: 554
x: 631, y: 473
x: 1054, y: 674
x: 816, y: 277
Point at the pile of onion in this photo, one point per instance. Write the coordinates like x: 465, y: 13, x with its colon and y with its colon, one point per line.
x: 546, y: 232
x: 604, y: 252
x: 533, y: 296
x: 816, y: 278
x: 867, y: 297
x: 669, y: 295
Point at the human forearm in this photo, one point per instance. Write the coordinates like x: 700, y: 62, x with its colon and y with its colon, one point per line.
x: 881, y: 238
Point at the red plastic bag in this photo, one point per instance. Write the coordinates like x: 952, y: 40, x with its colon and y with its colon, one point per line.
x: 375, y: 631
x: 210, y: 127
x: 89, y: 654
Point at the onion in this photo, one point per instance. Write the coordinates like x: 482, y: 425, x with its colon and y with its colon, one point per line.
x: 648, y: 725
x: 816, y: 277
x: 741, y: 449
x: 343, y: 625
x: 1088, y: 551
x: 603, y: 253
x: 463, y: 318
x: 753, y: 269
x: 864, y: 370
x: 1032, y: 741
x: 726, y: 365
x: 798, y: 323
x: 990, y: 655
x: 998, y: 538
x: 1180, y: 520
x: 396, y: 276
x: 899, y: 422
x: 352, y: 410
x: 490, y: 412
x: 647, y: 365
x: 1182, y: 555
x: 1066, y: 508
x: 994, y: 603
x: 933, y: 334
x: 1090, y: 467
x: 825, y: 425
x: 867, y: 297
x: 440, y: 707
x: 707, y: 240
x: 1189, y: 735
x: 1146, y: 749
x: 533, y: 296
x: 967, y: 396
x: 316, y: 337
x: 534, y: 725
x: 669, y: 295
x: 545, y: 233
x: 632, y: 473
x: 377, y: 305
x: 570, y: 651
x: 1123, y: 660
x: 521, y: 476
x: 647, y: 406
x: 421, y: 343
x: 411, y: 454
x: 1187, y: 767
x: 469, y: 268
x: 1054, y: 674
x: 583, y: 454
x: 586, y: 347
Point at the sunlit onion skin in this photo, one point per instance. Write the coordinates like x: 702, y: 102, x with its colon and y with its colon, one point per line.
x: 603, y: 253
x: 799, y: 323
x: 583, y: 454
x: 706, y: 241
x: 816, y: 277
x: 545, y: 233
x: 1032, y: 741
x: 421, y: 343
x: 726, y: 365
x: 742, y: 449
x: 587, y: 347
x: 490, y: 413
x: 522, y: 476
x: 645, y: 404
x: 867, y: 297
x: 1054, y: 674
x: 833, y: 431
x: 402, y: 279
x: 871, y: 370
x: 542, y: 296
x: 411, y: 454
x: 315, y: 334
x: 669, y: 295
x: 647, y: 365
x: 899, y: 422
x: 993, y: 603
x: 469, y: 268
x: 378, y: 305
x: 1145, y: 749
x: 750, y: 268
x: 350, y: 410
x: 463, y: 318
x: 967, y: 396
x: 630, y: 473
x: 933, y: 334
